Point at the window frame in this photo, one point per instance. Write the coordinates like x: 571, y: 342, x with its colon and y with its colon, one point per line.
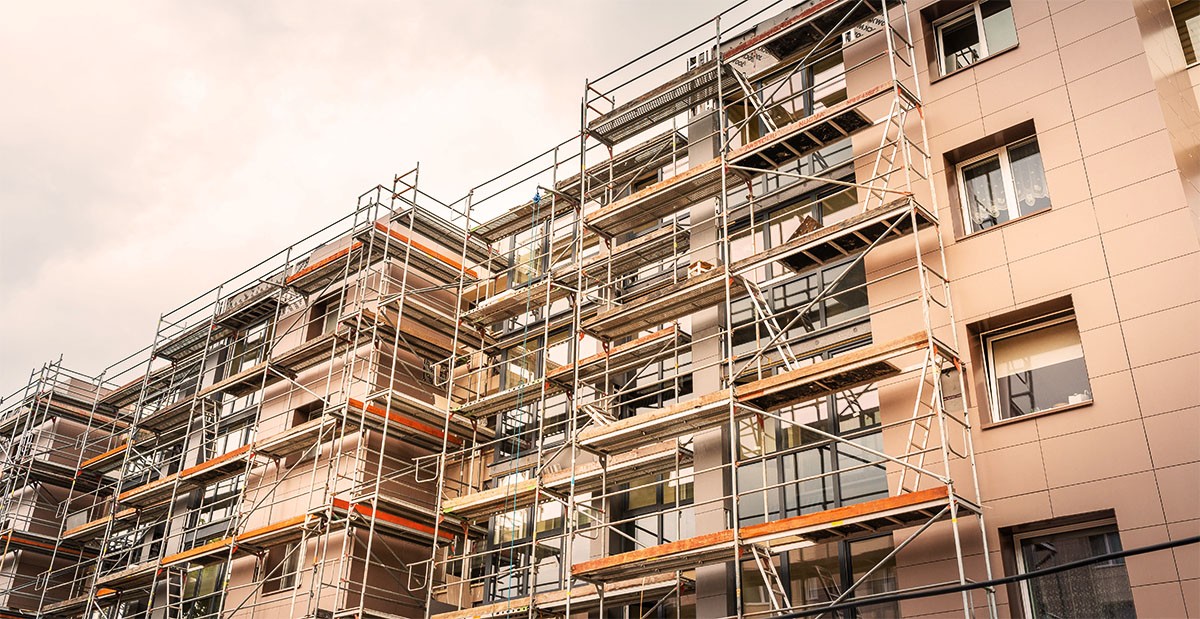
x: 988, y: 338
x: 1181, y: 30
x: 1018, y: 548
x: 1006, y: 174
x: 289, y: 562
x: 972, y: 11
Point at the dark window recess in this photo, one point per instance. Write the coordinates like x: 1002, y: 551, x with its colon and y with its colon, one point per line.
x: 1097, y: 590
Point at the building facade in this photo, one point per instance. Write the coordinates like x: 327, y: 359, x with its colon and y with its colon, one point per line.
x: 860, y: 308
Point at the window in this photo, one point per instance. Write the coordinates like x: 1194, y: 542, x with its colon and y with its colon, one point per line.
x: 1003, y: 184
x: 324, y: 317
x: 1036, y: 367
x: 1096, y: 590
x: 202, y: 591
x: 281, y: 568
x: 1187, y: 23
x: 974, y: 33
x: 821, y: 573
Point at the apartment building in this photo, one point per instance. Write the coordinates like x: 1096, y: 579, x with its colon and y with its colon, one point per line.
x: 854, y: 308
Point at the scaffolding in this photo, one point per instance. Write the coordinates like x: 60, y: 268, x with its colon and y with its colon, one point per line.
x: 738, y: 308
x: 718, y: 335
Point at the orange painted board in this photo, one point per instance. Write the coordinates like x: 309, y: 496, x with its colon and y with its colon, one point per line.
x: 365, y: 510
x: 108, y: 454
x: 404, y: 421
x: 324, y: 261
x: 403, y: 238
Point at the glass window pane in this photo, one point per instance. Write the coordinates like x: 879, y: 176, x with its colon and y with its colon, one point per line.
x: 1097, y: 590
x: 1187, y: 24
x: 865, y: 556
x: 815, y: 574
x: 868, y: 482
x: 849, y: 299
x: 986, y: 204
x: 786, y: 221
x: 998, y: 27
x: 643, y: 496
x: 960, y: 43
x: 838, y: 206
x: 829, y: 80
x: 1029, y: 178
x: 1039, y: 370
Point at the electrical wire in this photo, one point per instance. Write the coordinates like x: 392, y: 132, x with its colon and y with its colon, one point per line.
x: 911, y: 595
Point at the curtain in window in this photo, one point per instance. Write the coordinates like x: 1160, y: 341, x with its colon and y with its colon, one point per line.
x: 1029, y: 179
x: 985, y: 193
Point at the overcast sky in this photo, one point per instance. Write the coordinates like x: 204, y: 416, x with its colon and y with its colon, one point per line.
x: 151, y: 150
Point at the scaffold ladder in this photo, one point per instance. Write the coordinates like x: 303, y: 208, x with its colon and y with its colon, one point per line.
x: 176, y: 583
x: 930, y: 405
x: 777, y: 593
x: 752, y: 96
x: 763, y: 311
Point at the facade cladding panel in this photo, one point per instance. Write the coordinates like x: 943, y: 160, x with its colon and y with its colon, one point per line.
x: 885, y: 300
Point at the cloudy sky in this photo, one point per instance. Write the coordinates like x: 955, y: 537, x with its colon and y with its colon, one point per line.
x: 151, y: 150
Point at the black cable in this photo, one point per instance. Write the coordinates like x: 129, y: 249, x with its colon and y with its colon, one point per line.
x: 896, y: 597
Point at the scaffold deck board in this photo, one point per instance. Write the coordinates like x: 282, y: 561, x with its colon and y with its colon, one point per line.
x: 645, y: 350
x: 191, y: 341
x: 659, y: 104
x: 11, y: 539
x: 583, y: 598
x: 666, y: 305
x: 411, y: 308
x: 433, y: 415
x: 274, y: 534
x: 851, y: 369
x: 296, y: 439
x: 659, y: 200
x: 316, y: 276
x: 78, y: 603
x: 419, y: 511
x: 43, y: 471
x: 223, y: 466
x: 671, y: 421
x: 434, y: 262
x: 204, y: 554
x: 514, y: 302
x: 107, y: 461
x: 173, y: 415
x: 808, y: 134
x: 626, y: 258
x: 132, y: 577
x: 507, y: 399
x: 289, y: 529
x: 623, y: 168
x: 785, y: 144
x: 558, y: 323
x: 362, y: 515
x: 254, y: 305
x: 878, y: 516
x: 97, y: 416
x: 848, y: 237
x: 96, y: 528
x: 854, y: 368
x: 176, y: 376
x: 246, y: 381
x: 588, y: 477
x: 409, y: 333
x: 527, y: 215
x: 807, y: 28
x: 311, y: 353
x: 377, y: 418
